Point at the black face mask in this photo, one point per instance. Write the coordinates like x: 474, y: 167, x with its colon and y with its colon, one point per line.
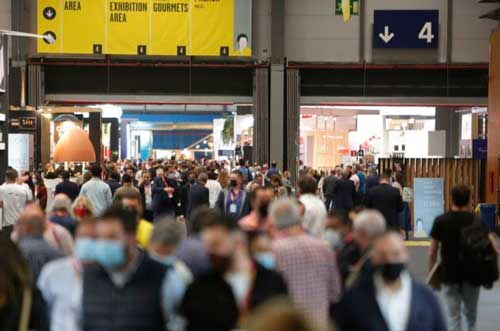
x: 263, y: 210
x: 220, y: 263
x: 233, y: 183
x: 391, y: 271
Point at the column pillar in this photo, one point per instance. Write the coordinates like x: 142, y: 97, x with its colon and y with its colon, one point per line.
x: 277, y: 139
x: 4, y: 107
x: 260, y: 110
x: 492, y: 183
x: 448, y: 120
x: 95, y: 134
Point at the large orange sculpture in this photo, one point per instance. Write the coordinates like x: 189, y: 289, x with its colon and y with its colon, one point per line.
x: 74, y: 146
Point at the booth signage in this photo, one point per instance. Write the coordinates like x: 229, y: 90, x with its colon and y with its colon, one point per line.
x: 406, y: 29
x: 146, y: 27
x: 429, y: 204
x: 27, y: 123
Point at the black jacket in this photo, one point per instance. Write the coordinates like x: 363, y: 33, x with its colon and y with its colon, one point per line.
x: 209, y: 303
x: 113, y: 185
x: 344, y: 194
x: 69, y: 188
x: 197, y: 197
x: 388, y: 201
x: 358, y: 310
x: 329, y: 186
x: 162, y: 203
x: 221, y: 204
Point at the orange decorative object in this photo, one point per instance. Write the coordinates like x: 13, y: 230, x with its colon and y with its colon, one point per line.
x: 74, y: 146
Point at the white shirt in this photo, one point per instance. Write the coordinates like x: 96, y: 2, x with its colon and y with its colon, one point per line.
x: 355, y: 179
x: 315, y: 215
x: 61, y: 287
x: 14, y: 198
x: 214, y: 190
x: 394, y: 306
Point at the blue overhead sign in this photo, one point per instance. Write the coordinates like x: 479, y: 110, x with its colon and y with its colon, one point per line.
x: 406, y: 29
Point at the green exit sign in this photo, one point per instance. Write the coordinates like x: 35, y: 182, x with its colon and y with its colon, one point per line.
x: 353, y: 5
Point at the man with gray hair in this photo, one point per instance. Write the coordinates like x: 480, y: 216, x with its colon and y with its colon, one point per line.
x: 166, y: 236
x: 308, y: 265
x: 368, y: 226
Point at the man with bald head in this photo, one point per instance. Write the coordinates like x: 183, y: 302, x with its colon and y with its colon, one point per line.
x: 392, y: 300
x: 30, y: 227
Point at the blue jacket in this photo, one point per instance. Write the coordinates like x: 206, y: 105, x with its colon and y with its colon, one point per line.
x: 359, y: 311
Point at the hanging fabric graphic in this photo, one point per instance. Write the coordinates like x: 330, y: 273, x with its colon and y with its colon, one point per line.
x: 346, y: 10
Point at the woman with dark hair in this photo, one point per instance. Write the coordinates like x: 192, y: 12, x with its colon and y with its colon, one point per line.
x: 41, y: 195
x: 21, y: 304
x: 26, y: 177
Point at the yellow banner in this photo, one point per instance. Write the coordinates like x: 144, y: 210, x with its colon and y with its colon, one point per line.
x: 146, y: 27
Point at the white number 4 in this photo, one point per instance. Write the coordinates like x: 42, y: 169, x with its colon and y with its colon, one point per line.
x: 426, y: 32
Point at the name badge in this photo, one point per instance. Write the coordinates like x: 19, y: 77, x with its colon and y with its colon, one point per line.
x: 233, y: 208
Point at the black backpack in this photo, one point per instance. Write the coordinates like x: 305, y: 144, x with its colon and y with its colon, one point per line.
x: 477, y: 255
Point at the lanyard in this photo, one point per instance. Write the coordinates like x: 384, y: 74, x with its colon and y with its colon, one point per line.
x: 233, y: 197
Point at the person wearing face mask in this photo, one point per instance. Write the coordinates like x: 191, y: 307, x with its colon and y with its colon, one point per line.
x: 234, y: 202
x: 261, y: 248
x: 340, y: 237
x: 368, y: 226
x: 221, y: 300
x: 60, y: 281
x: 125, y: 289
x: 392, y: 300
x: 164, y: 193
x: 167, y: 234
x: 260, y: 199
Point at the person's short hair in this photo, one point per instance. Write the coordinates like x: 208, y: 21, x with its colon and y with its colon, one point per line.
x: 126, y: 218
x: 285, y: 213
x: 371, y: 222
x: 237, y: 172
x: 200, y: 216
x: 274, y: 164
x: 212, y: 175
x: 168, y: 231
x: 460, y: 194
x: 386, y: 174
x: 241, y: 35
x: 65, y: 175
x: 11, y: 175
x: 222, y: 221
x: 342, y: 216
x: 203, y: 178
x: 126, y: 178
x: 307, y: 185
x: 115, y: 176
x: 95, y: 170
x: 372, y: 171
x: 276, y: 178
x: 61, y: 202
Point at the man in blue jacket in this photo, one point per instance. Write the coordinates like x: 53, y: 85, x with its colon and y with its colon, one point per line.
x: 391, y: 300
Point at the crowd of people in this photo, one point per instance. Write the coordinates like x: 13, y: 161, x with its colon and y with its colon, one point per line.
x: 206, y: 245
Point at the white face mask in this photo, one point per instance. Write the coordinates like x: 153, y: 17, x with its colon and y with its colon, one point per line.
x: 334, y: 239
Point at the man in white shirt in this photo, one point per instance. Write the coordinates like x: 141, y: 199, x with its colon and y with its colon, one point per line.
x: 391, y: 301
x: 61, y: 281
x: 315, y: 210
x: 13, y: 199
x: 214, y: 189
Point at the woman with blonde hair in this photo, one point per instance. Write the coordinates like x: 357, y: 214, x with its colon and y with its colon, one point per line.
x: 223, y: 179
x: 279, y: 315
x: 82, y: 208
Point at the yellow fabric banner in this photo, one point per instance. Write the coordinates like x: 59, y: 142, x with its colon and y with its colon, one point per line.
x: 146, y: 27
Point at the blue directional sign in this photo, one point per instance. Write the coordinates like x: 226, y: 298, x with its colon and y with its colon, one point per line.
x: 406, y: 29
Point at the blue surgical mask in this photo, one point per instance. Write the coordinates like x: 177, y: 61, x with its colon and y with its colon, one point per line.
x: 34, y: 181
x: 85, y: 249
x: 168, y: 260
x: 110, y: 253
x: 265, y: 259
x: 334, y: 239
